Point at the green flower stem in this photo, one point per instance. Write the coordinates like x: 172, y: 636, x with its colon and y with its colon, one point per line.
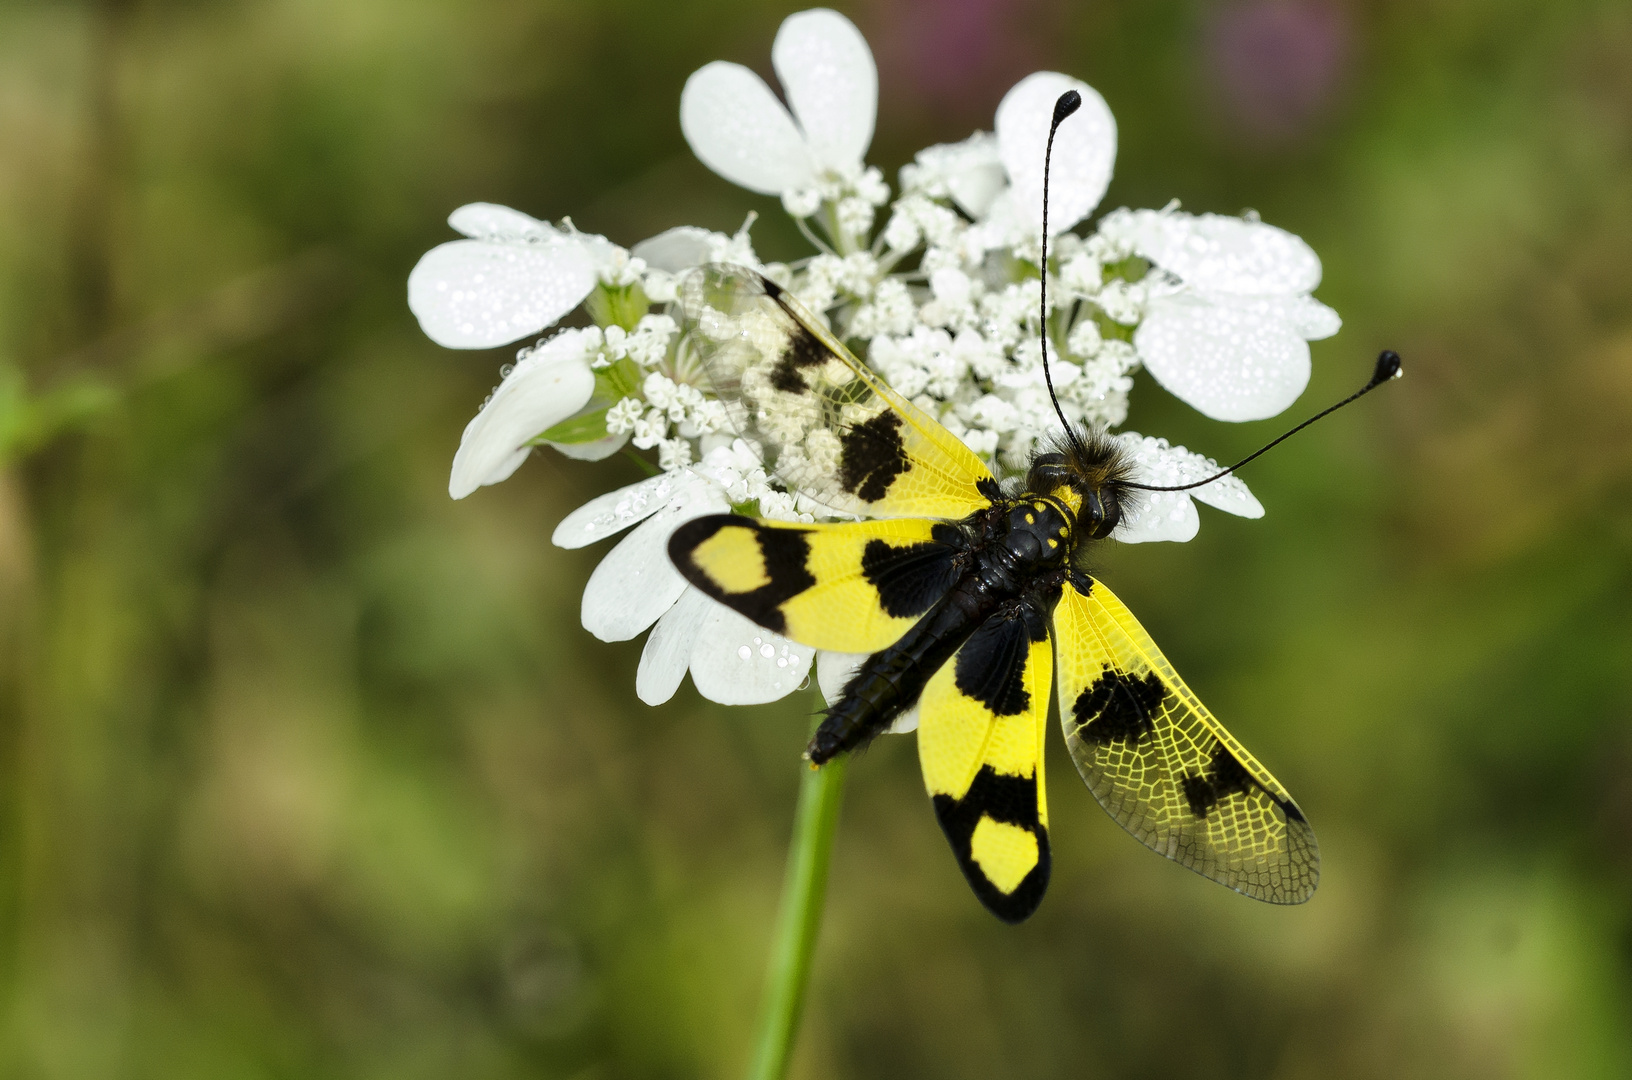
x: 804, y: 891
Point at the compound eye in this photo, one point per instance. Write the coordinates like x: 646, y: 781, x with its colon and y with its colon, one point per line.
x: 1100, y: 515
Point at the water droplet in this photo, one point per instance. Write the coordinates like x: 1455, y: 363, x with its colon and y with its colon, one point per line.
x: 767, y: 651
x: 745, y: 652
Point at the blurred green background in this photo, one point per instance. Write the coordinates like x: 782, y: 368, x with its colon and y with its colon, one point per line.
x: 308, y: 771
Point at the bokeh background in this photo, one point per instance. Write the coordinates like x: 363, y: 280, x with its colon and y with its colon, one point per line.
x: 308, y: 771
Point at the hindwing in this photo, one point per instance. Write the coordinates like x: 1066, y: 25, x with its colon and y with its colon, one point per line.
x: 1163, y: 767
x: 827, y: 425
x: 982, y: 720
x: 852, y: 587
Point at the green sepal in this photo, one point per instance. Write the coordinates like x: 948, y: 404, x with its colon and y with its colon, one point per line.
x: 618, y: 380
x: 618, y: 305
x: 1110, y: 329
x: 585, y: 427
x: 1133, y: 268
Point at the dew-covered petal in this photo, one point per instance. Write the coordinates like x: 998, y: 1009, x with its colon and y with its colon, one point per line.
x: 490, y: 221
x: 1304, y: 315
x: 676, y: 249
x: 735, y: 126
x: 1084, y: 149
x: 1159, y: 515
x: 1157, y: 463
x: 615, y: 511
x: 636, y: 583
x: 1227, y: 361
x: 834, y: 669
x: 828, y: 75
x: 1223, y: 254
x: 1231, y: 496
x: 474, y: 294
x: 540, y: 392
x: 667, y: 654
x: 736, y: 662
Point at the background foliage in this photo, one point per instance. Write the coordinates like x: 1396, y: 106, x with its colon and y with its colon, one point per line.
x: 306, y: 770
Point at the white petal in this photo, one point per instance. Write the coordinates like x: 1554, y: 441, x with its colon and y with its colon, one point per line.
x: 1226, y: 254
x: 1159, y: 515
x: 1304, y: 315
x: 636, y: 582
x: 1155, y: 462
x: 474, y: 294
x: 736, y: 662
x: 667, y: 654
x: 1084, y: 149
x: 905, y: 723
x: 615, y: 511
x: 834, y: 669
x: 676, y: 249
x: 736, y: 127
x: 828, y: 74
x: 595, y: 450
x: 977, y: 187
x: 540, y: 392
x: 1231, y: 496
x: 490, y: 221
x: 1227, y: 361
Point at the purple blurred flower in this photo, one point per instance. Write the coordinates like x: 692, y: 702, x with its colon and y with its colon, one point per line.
x: 1278, y: 62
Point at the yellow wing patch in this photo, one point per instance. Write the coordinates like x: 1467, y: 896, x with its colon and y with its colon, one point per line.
x: 1164, y: 767
x: 851, y: 587
x: 982, y: 719
x: 733, y: 560
x: 829, y: 427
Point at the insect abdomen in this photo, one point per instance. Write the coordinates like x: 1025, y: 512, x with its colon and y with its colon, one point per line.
x: 889, y: 681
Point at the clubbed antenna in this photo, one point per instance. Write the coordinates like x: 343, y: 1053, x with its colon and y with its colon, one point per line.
x: 1388, y: 367
x: 1069, y: 102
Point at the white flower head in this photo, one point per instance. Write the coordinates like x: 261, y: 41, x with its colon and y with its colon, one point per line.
x: 737, y: 127
x: 1231, y: 336
x: 943, y: 297
x: 515, y: 276
x: 731, y: 660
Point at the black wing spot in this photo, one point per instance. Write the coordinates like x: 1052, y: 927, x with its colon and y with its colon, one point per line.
x: 872, y: 455
x: 1117, y: 707
x: 991, y: 666
x: 909, y: 579
x: 1013, y: 801
x: 1225, y: 776
x: 786, y: 553
x: 803, y: 350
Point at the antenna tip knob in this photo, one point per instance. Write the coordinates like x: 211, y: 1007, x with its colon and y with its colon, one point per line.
x: 1069, y: 102
x: 1388, y: 367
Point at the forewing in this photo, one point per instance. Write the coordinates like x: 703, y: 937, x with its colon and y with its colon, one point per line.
x: 850, y: 587
x: 982, y: 719
x: 1163, y: 767
x: 827, y: 425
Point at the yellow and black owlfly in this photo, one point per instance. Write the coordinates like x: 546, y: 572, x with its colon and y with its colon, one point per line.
x: 971, y: 603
